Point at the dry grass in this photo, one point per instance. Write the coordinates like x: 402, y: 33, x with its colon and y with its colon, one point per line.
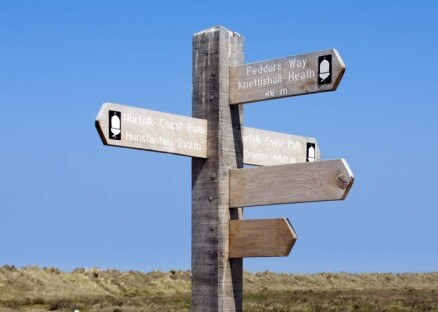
x: 32, y: 289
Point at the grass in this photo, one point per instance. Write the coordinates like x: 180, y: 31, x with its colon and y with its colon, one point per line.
x: 33, y: 289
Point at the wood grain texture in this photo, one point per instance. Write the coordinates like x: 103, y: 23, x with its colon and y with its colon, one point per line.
x: 216, y: 279
x: 285, y: 184
x: 261, y: 238
x: 155, y: 131
x: 283, y: 77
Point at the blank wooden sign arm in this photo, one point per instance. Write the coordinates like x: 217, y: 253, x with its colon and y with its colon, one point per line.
x: 261, y: 238
x: 287, y: 184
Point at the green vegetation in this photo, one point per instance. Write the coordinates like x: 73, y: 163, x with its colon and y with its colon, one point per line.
x: 32, y: 289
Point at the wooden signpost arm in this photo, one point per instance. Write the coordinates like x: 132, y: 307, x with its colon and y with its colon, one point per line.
x: 216, y: 279
x: 287, y: 184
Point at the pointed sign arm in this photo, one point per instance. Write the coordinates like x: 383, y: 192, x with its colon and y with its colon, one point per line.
x: 261, y: 238
x: 287, y: 184
x: 319, y: 71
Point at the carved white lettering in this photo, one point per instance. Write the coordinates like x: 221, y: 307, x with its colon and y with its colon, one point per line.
x: 188, y: 145
x: 198, y: 129
x: 297, y: 63
x: 284, y: 159
x: 260, y: 81
x: 146, y: 138
x: 254, y: 155
x: 301, y: 75
x: 295, y: 145
x: 263, y: 69
x: 274, y: 142
x: 138, y: 119
x: 251, y: 138
x: 177, y: 126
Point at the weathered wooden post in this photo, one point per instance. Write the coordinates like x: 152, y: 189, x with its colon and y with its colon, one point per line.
x: 216, y: 279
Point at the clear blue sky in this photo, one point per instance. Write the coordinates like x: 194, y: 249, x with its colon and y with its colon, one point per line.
x: 68, y: 201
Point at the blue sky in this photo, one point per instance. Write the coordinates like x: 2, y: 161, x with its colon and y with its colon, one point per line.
x: 68, y: 201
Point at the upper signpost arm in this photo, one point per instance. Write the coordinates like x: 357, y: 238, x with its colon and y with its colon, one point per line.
x: 289, y: 76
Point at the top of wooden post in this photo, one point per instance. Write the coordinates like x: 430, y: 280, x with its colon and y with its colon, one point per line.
x: 216, y: 28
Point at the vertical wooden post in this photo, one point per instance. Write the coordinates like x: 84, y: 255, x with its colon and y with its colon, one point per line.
x: 216, y: 279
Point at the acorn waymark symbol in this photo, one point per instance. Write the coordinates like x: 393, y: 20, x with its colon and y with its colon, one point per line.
x: 325, y: 69
x: 115, y: 125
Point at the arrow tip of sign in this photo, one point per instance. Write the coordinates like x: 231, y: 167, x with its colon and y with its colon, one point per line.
x: 99, y: 130
x: 339, y: 58
x: 341, y: 68
x: 98, y: 120
x: 346, y: 179
x: 292, y: 235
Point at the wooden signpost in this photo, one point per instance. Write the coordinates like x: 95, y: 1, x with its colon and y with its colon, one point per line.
x: 219, y: 145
